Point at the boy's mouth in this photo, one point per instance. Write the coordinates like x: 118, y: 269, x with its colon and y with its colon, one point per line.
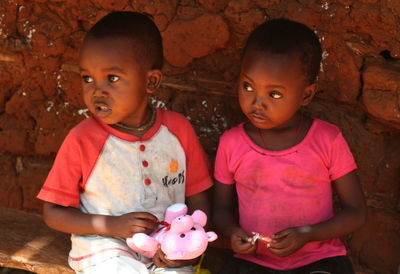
x: 101, y: 109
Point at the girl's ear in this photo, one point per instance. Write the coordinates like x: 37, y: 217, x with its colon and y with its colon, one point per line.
x: 309, y: 93
x: 154, y: 78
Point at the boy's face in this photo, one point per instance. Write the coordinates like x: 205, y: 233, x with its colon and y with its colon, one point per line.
x: 114, y: 84
x: 272, y: 88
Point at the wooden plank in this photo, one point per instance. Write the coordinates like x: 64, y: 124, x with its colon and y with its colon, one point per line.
x: 27, y: 243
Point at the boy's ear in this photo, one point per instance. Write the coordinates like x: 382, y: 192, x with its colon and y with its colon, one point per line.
x: 309, y: 93
x: 154, y: 78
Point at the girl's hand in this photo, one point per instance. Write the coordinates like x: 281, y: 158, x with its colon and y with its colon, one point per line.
x: 161, y: 260
x: 288, y: 241
x: 240, y: 242
x: 130, y: 223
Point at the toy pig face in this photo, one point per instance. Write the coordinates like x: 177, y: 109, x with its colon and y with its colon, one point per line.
x: 182, y: 224
x: 185, y: 245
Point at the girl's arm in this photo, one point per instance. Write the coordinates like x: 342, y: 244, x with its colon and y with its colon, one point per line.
x: 351, y: 217
x: 225, y: 220
x: 199, y: 201
x: 224, y: 208
x: 72, y: 220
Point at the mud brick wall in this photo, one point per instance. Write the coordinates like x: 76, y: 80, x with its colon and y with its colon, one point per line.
x: 359, y: 88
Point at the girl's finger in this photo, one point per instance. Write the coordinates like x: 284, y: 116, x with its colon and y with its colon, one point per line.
x: 281, y: 234
x: 282, y: 252
x: 278, y: 245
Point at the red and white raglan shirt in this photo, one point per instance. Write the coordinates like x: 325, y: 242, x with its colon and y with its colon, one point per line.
x: 101, y: 170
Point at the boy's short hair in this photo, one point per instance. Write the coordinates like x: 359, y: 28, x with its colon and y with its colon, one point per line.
x: 283, y: 36
x: 139, y: 29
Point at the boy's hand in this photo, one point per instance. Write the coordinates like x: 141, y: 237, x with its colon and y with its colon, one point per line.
x: 161, y: 260
x: 288, y: 241
x: 130, y: 223
x: 240, y: 243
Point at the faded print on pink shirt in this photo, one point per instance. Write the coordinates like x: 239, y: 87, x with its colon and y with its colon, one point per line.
x: 282, y: 189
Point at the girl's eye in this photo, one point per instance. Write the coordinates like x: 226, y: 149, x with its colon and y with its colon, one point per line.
x: 87, y: 79
x: 276, y: 95
x: 247, y: 86
x: 113, y: 78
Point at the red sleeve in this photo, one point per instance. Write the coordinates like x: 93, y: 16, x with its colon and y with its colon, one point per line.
x: 342, y: 160
x: 221, y: 168
x: 198, y: 177
x: 62, y: 184
x: 73, y: 164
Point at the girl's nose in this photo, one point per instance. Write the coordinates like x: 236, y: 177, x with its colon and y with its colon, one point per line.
x: 259, y: 101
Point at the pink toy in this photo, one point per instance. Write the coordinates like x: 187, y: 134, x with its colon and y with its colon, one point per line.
x: 182, y: 237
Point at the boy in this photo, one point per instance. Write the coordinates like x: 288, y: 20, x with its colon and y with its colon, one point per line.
x: 117, y: 171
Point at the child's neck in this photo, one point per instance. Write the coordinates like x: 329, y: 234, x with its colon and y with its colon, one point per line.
x: 138, y: 131
x: 280, y: 138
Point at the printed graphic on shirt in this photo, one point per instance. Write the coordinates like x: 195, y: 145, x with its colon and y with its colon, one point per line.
x: 120, y: 172
x: 173, y: 166
x: 179, y: 179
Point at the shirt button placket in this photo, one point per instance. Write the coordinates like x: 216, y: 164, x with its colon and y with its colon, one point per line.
x: 147, y: 181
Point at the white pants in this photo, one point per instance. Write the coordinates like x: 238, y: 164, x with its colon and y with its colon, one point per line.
x: 128, y: 265
x: 161, y: 270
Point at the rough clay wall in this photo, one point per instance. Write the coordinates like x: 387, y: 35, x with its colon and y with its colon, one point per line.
x: 359, y: 82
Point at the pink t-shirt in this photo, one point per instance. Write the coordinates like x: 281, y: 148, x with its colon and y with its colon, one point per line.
x: 101, y: 170
x: 282, y: 189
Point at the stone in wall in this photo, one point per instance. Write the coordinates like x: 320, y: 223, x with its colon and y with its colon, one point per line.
x: 10, y: 191
x: 381, y: 91
x: 213, y: 5
x: 377, y: 243
x: 162, y: 11
x: 14, y: 135
x: 340, y: 70
x: 186, y: 40
x: 32, y: 171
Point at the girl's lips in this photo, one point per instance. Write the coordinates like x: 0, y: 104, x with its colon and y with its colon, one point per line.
x: 257, y: 116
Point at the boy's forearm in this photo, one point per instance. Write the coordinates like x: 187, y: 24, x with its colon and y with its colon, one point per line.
x: 72, y: 220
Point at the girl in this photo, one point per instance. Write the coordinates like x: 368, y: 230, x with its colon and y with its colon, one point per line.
x: 281, y: 164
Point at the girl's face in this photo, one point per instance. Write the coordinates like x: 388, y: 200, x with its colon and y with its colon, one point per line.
x: 272, y: 88
x: 114, y: 83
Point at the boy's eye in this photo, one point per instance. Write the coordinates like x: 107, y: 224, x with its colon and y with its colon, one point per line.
x: 276, y: 95
x: 247, y: 86
x: 87, y: 79
x: 113, y: 78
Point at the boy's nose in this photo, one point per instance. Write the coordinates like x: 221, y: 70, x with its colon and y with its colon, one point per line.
x: 99, y: 91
